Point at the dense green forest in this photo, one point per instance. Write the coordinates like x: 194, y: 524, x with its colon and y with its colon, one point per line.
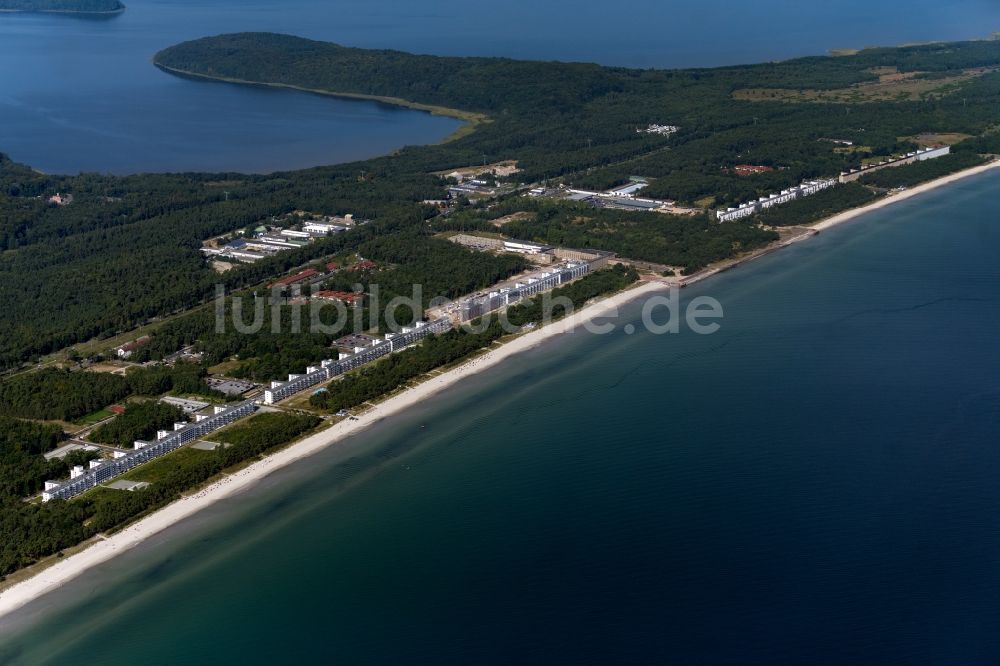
x: 690, y: 243
x: 817, y: 206
x: 29, y: 532
x: 71, y: 273
x: 261, y: 432
x: 63, y: 395
x: 60, y: 394
x: 141, y: 420
x: 558, y: 119
x: 22, y: 467
x: 73, y: 6
x: 561, y: 121
x: 126, y: 250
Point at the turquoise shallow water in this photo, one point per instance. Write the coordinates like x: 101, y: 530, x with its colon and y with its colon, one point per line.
x: 816, y: 483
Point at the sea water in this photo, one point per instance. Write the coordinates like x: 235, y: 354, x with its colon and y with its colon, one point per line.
x: 817, y: 482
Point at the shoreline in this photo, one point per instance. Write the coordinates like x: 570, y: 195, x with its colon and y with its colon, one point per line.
x: 472, y: 120
x: 813, y: 228
x: 24, y: 592
x: 916, y: 190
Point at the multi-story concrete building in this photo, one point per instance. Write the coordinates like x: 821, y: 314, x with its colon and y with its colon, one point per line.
x: 919, y: 156
x: 806, y: 189
x: 167, y: 441
x: 473, y: 308
x: 329, y: 368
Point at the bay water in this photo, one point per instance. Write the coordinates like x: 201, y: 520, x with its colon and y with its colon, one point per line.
x: 81, y: 94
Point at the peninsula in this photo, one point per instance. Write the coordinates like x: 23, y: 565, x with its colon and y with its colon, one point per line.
x: 575, y: 179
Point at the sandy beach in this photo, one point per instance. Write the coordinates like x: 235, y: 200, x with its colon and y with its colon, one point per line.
x: 909, y: 193
x: 66, y: 569
x: 830, y: 222
x: 51, y: 578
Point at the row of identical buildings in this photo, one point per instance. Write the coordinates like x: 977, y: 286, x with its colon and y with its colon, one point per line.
x: 167, y: 441
x: 813, y: 186
x: 473, y: 308
x: 329, y: 368
x: 101, y: 471
x: 746, y: 210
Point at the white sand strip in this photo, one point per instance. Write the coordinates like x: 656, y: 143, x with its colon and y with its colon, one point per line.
x: 70, y: 567
x: 903, y: 196
x: 56, y: 575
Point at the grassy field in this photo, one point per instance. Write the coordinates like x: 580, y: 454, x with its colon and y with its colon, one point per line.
x: 943, y: 138
x: 155, y: 470
x: 225, y: 367
x: 891, y: 86
x: 90, y: 419
x: 301, y: 402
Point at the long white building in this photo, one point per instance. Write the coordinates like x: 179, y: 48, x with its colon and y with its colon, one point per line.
x: 167, y: 441
x: 473, y: 308
x: 807, y: 188
x: 921, y: 155
x: 329, y: 368
x: 102, y: 471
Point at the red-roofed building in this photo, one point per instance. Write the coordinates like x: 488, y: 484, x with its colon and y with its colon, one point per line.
x: 295, y: 279
x: 126, y: 350
x: 116, y: 409
x: 331, y: 267
x: 348, y: 297
x: 751, y: 169
x: 365, y: 265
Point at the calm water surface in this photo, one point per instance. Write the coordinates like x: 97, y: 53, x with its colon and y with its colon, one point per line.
x: 816, y: 483
x: 81, y: 95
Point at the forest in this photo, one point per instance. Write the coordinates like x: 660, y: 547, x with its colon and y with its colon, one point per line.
x: 817, y: 206
x: 29, y: 532
x: 22, y: 467
x: 141, y: 420
x: 389, y: 374
x: 561, y: 119
x: 64, y: 395
x: 919, y: 172
x: 688, y: 243
x: 126, y: 251
x: 562, y: 122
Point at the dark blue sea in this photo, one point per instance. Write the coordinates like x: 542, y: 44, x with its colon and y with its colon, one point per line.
x: 816, y: 483
x: 79, y: 94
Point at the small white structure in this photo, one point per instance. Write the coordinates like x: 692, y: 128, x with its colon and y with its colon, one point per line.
x: 662, y: 130
x: 524, y: 247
